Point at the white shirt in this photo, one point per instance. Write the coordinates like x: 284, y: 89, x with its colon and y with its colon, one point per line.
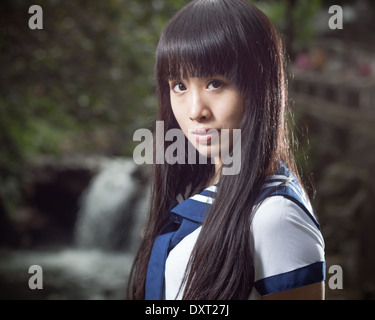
x: 287, y: 250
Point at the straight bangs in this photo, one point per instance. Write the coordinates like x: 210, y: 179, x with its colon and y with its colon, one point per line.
x: 198, y: 42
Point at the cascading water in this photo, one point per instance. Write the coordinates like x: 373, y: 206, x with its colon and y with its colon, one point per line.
x: 107, y: 208
x: 107, y: 232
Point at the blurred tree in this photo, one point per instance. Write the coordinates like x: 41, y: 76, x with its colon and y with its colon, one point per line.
x: 84, y: 83
x: 294, y: 19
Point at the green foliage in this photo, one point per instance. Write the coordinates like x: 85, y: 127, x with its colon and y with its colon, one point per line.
x: 275, y: 10
x: 84, y: 83
x: 302, y: 15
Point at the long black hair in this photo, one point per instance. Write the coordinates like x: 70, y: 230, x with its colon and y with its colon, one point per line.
x: 234, y: 39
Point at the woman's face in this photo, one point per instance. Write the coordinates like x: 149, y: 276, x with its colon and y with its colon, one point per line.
x: 202, y: 108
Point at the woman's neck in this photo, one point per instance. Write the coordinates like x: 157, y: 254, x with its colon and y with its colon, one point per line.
x: 214, y: 179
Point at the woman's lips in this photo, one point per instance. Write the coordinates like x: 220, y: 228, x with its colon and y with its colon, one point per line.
x: 204, y: 134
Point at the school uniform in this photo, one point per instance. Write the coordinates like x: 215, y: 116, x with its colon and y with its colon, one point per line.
x: 287, y: 244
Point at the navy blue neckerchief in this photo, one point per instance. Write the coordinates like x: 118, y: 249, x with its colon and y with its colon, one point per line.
x: 190, y: 214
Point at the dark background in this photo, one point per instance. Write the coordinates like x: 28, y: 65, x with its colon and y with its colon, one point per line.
x: 73, y: 94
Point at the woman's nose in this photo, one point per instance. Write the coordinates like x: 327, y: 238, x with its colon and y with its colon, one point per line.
x: 199, y: 107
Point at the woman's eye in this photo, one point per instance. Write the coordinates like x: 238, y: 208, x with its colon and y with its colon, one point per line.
x: 178, y: 87
x: 214, y: 85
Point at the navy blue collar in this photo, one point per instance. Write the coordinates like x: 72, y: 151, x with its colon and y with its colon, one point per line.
x: 196, y: 207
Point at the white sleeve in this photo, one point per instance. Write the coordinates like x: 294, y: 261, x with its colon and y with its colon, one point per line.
x: 288, y: 247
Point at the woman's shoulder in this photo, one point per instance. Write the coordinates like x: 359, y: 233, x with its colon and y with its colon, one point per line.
x: 277, y: 211
x: 286, y: 243
x: 288, y: 247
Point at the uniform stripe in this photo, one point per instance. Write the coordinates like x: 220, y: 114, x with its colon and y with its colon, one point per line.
x: 201, y: 198
x: 278, y: 177
x: 300, y: 277
x: 212, y: 188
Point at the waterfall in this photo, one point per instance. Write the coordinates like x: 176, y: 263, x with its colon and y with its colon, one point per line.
x: 113, y: 208
x: 112, y: 211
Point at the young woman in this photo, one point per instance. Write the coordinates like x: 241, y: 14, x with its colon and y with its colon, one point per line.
x: 212, y: 235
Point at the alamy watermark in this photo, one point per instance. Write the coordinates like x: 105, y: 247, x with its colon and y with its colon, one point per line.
x: 336, y: 20
x: 219, y: 140
x: 36, y: 280
x: 36, y: 20
x: 336, y: 280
